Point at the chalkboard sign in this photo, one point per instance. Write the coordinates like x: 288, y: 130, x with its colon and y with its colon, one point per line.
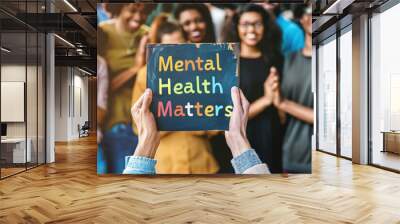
x: 191, y: 85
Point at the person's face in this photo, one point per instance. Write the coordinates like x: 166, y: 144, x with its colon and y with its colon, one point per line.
x: 132, y: 17
x: 251, y: 28
x: 194, y: 25
x: 306, y: 22
x: 173, y: 38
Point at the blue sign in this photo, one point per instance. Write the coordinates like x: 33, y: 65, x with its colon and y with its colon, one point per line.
x: 191, y: 85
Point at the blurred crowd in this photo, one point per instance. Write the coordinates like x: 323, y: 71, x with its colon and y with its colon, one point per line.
x: 275, y: 76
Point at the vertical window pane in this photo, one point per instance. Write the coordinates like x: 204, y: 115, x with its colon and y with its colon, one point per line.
x: 327, y: 96
x: 346, y: 94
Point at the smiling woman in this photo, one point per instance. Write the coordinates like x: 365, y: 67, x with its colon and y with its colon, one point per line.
x: 260, y: 47
x: 195, y: 20
x: 121, y: 41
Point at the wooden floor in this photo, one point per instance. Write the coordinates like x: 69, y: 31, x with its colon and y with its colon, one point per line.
x: 69, y: 191
x: 5, y: 172
x: 387, y: 159
x: 10, y: 171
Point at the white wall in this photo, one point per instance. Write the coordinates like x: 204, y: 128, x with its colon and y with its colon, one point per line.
x: 14, y: 73
x: 10, y: 73
x: 71, y: 94
x: 61, y: 103
x: 33, y: 126
x: 80, y: 102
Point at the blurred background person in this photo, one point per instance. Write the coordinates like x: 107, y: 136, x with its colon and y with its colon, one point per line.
x: 102, y: 97
x: 196, y: 22
x: 102, y: 14
x: 218, y: 16
x: 230, y: 9
x: 181, y: 152
x: 161, y: 8
x: 292, y: 33
x: 122, y: 40
x: 260, y: 42
x: 198, y: 26
x: 296, y: 101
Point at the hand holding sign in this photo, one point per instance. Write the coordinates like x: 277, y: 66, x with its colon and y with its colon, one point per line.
x: 149, y: 137
x: 191, y: 85
x: 236, y: 137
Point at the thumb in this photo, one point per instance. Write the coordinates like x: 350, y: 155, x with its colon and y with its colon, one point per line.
x: 272, y: 70
x: 236, y: 98
x: 147, y: 99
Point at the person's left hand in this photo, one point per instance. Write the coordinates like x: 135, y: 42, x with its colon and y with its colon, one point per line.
x: 149, y: 137
x: 277, y: 101
x: 236, y: 137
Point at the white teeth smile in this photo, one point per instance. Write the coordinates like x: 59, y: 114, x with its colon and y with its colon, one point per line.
x: 133, y: 22
x: 251, y: 36
x: 196, y: 34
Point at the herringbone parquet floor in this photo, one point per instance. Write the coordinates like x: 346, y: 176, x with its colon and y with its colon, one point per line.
x: 69, y: 191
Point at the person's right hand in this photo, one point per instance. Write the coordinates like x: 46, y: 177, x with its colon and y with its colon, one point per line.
x: 149, y: 136
x: 274, y: 86
x: 236, y: 137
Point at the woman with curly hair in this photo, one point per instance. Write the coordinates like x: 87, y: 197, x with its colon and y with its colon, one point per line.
x: 260, y: 51
x: 121, y: 42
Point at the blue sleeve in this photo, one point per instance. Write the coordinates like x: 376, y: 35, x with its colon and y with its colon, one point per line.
x: 139, y: 165
x: 247, y: 159
x: 293, y: 38
x: 298, y: 41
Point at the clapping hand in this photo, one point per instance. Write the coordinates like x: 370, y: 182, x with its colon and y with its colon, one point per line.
x: 272, y: 87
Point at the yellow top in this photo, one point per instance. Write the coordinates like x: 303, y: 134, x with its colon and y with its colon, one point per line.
x: 180, y: 152
x: 119, y: 50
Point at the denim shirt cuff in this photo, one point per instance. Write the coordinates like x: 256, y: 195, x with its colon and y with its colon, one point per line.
x: 139, y: 165
x: 247, y: 159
